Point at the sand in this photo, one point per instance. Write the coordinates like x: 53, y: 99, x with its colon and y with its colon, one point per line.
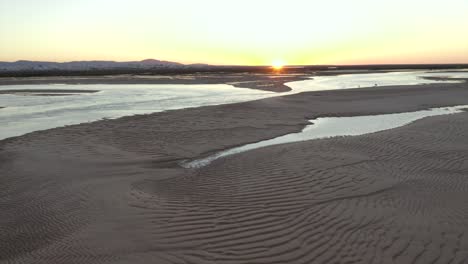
x: 112, y: 191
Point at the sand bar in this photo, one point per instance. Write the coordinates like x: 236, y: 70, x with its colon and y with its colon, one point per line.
x: 112, y: 191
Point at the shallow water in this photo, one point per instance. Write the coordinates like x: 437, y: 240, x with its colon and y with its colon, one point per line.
x: 27, y: 113
x: 334, y: 127
x: 347, y: 81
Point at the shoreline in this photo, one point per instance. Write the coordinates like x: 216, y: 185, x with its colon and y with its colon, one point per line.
x: 86, y: 181
x: 299, y: 117
x: 267, y: 82
x: 317, y: 129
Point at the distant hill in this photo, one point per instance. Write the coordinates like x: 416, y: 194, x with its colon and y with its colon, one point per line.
x: 24, y: 68
x: 149, y: 64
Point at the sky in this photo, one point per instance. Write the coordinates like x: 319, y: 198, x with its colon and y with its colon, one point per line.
x: 241, y: 32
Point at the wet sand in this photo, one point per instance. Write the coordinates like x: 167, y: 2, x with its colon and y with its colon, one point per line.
x: 112, y: 191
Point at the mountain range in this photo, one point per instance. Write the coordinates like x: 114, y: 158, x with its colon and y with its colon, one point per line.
x: 24, y: 65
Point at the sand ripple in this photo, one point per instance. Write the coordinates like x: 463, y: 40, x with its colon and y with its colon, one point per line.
x: 105, y: 194
x: 391, y: 197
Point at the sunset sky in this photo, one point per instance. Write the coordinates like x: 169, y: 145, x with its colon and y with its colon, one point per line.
x: 249, y: 32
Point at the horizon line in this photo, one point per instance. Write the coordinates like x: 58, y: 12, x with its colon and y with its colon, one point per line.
x: 241, y: 65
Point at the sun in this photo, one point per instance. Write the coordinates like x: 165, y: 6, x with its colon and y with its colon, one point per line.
x: 277, y: 65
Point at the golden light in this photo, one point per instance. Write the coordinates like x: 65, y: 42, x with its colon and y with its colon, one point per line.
x: 277, y: 65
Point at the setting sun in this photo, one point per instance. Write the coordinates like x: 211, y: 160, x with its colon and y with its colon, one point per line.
x: 277, y: 65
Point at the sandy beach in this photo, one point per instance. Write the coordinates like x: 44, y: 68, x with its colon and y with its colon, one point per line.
x: 113, y: 191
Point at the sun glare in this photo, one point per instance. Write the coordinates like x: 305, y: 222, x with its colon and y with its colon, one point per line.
x: 277, y: 65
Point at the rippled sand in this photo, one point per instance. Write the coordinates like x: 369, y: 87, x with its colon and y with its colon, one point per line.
x: 112, y: 191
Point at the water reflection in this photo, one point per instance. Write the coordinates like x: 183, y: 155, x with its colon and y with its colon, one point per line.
x: 27, y: 113
x: 23, y: 114
x: 347, y: 81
